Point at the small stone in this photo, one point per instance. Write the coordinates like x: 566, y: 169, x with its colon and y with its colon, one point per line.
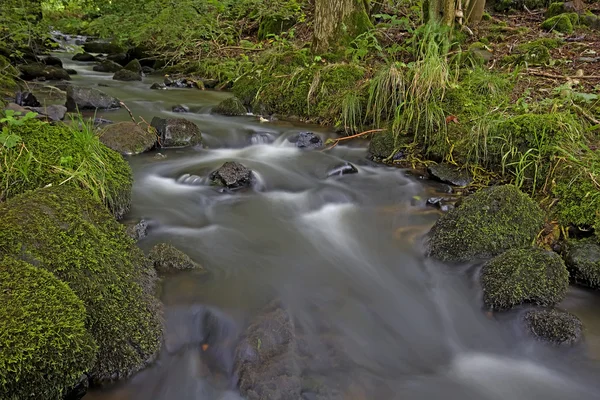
x: 343, y: 169
x: 126, y: 75
x: 307, y: 140
x: 180, y: 109
x: 556, y: 327
x: 137, y: 231
x: 158, y: 86
x: 232, y: 175
x: 168, y: 259
x: 450, y: 174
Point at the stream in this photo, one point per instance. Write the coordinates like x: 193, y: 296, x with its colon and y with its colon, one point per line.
x: 345, y: 256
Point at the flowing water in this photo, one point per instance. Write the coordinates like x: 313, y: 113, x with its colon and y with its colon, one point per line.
x: 343, y: 253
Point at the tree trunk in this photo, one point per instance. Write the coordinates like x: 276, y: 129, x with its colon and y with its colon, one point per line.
x: 338, y: 22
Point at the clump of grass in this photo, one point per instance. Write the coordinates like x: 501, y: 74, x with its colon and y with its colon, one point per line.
x: 352, y: 111
x: 386, y: 93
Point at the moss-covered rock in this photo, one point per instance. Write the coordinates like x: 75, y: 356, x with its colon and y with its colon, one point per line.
x: 45, y: 345
x: 64, y: 230
x: 128, y: 138
x: 562, y: 23
x: 134, y: 66
x: 126, y: 75
x: 578, y: 200
x: 382, y: 145
x: 41, y: 71
x: 524, y: 276
x: 107, y: 66
x: 103, y: 47
x: 57, y: 153
x: 231, y: 106
x: 532, y: 53
x: 555, y: 9
x: 168, y: 259
x: 556, y: 327
x: 486, y: 224
x: 583, y: 260
x: 177, y: 132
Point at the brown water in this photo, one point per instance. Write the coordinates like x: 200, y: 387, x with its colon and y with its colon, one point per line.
x: 342, y: 253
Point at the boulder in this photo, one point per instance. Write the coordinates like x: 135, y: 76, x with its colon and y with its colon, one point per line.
x: 54, y: 112
x: 134, y: 66
x: 107, y: 66
x: 583, y: 261
x: 65, y: 231
x: 176, y: 132
x: 120, y: 58
x: 307, y: 140
x: 103, y: 47
x: 128, y: 138
x: 552, y: 326
x: 449, y: 174
x: 26, y: 99
x: 168, y: 259
x: 45, y: 72
x: 230, y: 107
x: 524, y: 276
x: 344, y: 169
x: 158, y: 86
x: 85, y: 57
x: 486, y: 224
x: 52, y: 61
x: 180, y: 108
x: 126, y: 75
x: 85, y: 98
x: 40, y: 317
x: 232, y: 175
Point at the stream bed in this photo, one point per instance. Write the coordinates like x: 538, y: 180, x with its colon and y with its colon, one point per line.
x: 342, y: 253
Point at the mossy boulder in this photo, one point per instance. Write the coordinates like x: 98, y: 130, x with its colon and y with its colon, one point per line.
x: 84, y: 57
x: 46, y: 72
x: 520, y: 276
x: 65, y: 231
x: 555, y: 9
x: 583, y: 260
x: 103, y: 47
x: 382, y: 145
x: 231, y: 106
x: 168, y: 259
x: 532, y: 53
x: 45, y: 345
x: 57, y: 153
x: 126, y: 75
x: 486, y: 224
x: 128, y: 138
x: 578, y: 203
x: 562, y: 23
x: 107, y: 66
x: 552, y: 326
x: 134, y: 66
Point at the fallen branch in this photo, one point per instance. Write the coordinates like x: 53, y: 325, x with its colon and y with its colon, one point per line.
x: 336, y: 141
x: 553, y: 76
x: 128, y: 110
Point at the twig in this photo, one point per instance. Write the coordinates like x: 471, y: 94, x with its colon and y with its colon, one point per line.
x: 336, y: 141
x: 128, y: 110
x: 585, y: 114
x: 552, y: 76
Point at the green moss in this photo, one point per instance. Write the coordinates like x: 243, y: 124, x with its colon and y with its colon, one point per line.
x: 231, y: 106
x: 382, y: 145
x: 561, y: 23
x: 45, y: 346
x: 583, y: 260
x: 168, y: 259
x: 555, y: 9
x: 7, y: 78
x: 128, y: 138
x: 273, y: 25
x: 524, y: 276
x: 133, y: 66
x: 532, y: 53
x: 63, y: 230
x: 557, y: 327
x: 579, y: 203
x: 486, y: 224
x: 59, y: 154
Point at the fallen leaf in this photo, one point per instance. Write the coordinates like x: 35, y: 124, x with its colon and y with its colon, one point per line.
x: 451, y: 118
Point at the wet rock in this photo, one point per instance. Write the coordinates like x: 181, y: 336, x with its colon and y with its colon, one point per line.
x: 524, y: 276
x: 188, y: 179
x: 180, y: 82
x: 381, y: 145
x: 102, y: 47
x: 556, y: 327
x: 26, y: 99
x: 44, y: 72
x: 180, y: 109
x: 71, y: 71
x: 84, y: 98
x: 168, y: 259
x: 230, y: 107
x: 52, y: 61
x: 343, y: 169
x: 177, y: 132
x: 119, y: 58
x: 137, y: 231
x: 126, y: 75
x: 266, y: 363
x: 442, y: 203
x: 486, y: 224
x: 449, y: 174
x: 583, y: 261
x: 128, y: 138
x: 307, y: 140
x: 261, y: 138
x: 78, y: 391
x: 134, y: 66
x: 158, y: 86
x: 232, y: 175
x: 85, y: 57
x: 107, y: 66
x: 54, y: 112
x: 147, y: 70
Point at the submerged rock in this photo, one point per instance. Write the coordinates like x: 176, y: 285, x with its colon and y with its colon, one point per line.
x: 107, y: 66
x: 85, y: 57
x: 232, y: 175
x: 85, y: 98
x: 168, y: 259
x: 583, y: 260
x: 126, y: 75
x: 343, y: 169
x: 486, y: 224
x: 128, y: 138
x: 177, y: 132
x: 449, y: 174
x: 307, y: 140
x: 64, y: 230
x: 41, y: 317
x: 524, y: 276
x: 158, y: 86
x: 180, y: 109
x: 45, y: 72
x: 557, y: 327
x: 230, y: 107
